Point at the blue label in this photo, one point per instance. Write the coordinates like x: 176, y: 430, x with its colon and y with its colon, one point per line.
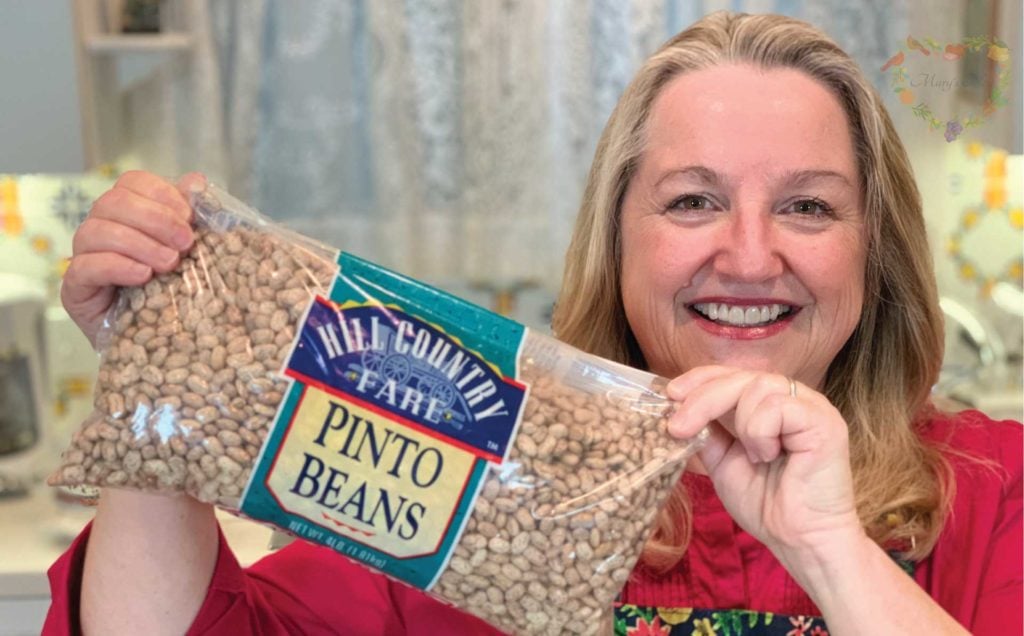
x: 409, y: 367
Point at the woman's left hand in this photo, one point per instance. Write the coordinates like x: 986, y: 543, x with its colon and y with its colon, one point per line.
x: 778, y: 455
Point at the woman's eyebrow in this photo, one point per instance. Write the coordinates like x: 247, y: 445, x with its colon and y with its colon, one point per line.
x: 803, y: 177
x: 709, y: 177
x: 703, y: 174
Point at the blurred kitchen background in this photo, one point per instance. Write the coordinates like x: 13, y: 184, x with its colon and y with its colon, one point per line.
x: 442, y: 138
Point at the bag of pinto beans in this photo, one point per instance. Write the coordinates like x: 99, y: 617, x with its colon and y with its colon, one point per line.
x: 453, y: 449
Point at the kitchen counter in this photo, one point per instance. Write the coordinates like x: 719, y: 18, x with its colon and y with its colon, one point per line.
x: 36, y: 529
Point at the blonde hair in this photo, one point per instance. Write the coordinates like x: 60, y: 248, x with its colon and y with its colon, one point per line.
x: 881, y: 378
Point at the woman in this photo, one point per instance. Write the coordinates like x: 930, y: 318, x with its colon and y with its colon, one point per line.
x: 751, y: 228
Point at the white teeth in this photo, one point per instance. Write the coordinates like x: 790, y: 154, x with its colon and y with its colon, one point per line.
x: 741, y: 315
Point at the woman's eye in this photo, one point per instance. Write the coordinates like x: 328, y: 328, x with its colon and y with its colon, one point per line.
x: 691, y: 202
x: 810, y: 207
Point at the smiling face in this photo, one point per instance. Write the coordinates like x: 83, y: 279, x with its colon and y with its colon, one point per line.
x: 742, y: 230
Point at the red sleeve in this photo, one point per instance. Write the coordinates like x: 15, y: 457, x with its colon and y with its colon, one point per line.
x: 302, y: 589
x: 975, y: 571
x: 65, y: 588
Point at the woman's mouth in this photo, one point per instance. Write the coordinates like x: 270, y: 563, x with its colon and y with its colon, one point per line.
x: 743, y: 315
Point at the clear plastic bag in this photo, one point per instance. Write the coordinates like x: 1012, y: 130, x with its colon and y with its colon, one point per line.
x: 506, y: 472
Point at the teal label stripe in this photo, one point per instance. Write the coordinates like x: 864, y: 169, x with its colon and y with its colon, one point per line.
x: 495, y: 337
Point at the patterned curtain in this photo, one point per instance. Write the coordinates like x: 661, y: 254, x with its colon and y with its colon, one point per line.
x: 443, y: 138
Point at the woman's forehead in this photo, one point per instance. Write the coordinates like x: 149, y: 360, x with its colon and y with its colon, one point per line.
x: 738, y: 117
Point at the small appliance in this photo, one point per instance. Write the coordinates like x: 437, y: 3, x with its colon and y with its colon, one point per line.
x: 23, y: 381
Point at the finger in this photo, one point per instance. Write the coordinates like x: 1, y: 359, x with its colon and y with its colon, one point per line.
x: 757, y: 420
x: 810, y: 426
x: 716, y: 445
x: 798, y: 426
x: 710, y: 400
x: 94, y: 273
x: 680, y: 388
x: 191, y: 184
x: 684, y: 384
x: 150, y: 186
x: 729, y: 399
x: 100, y: 235
x: 732, y: 399
x: 760, y: 428
x: 757, y: 388
x: 145, y: 215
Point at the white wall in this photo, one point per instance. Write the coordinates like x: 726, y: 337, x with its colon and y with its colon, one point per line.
x: 40, y: 124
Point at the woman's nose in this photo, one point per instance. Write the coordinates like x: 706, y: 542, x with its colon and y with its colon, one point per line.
x: 748, y: 250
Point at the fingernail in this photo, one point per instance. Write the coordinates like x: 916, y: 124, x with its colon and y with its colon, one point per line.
x: 168, y: 256
x: 676, y: 420
x: 183, y: 238
x: 674, y: 389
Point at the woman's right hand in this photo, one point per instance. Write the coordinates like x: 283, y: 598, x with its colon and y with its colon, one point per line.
x: 136, y: 229
x: 150, y: 557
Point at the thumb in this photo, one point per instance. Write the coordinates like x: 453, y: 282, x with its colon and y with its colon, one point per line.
x: 191, y: 184
x: 716, y: 446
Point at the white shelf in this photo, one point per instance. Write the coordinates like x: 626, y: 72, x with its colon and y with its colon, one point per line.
x: 138, y: 43
x: 105, y: 56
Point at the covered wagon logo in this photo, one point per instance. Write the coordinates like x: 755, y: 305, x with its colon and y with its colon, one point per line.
x: 911, y: 86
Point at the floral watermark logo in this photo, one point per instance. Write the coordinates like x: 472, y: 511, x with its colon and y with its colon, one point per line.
x: 910, y: 87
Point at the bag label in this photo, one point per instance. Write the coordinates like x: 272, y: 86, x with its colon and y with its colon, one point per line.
x: 390, y: 422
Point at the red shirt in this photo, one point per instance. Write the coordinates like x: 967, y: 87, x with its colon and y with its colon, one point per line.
x: 975, y: 571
